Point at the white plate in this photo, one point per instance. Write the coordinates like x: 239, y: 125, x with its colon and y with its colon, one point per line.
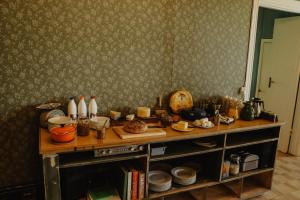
x: 159, y: 181
x: 184, y: 175
x: 175, y: 127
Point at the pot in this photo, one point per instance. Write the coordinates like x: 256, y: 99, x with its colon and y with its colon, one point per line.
x: 63, y: 134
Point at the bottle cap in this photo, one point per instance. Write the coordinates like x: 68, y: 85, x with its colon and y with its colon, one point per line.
x: 93, y: 97
x: 72, y: 98
x: 81, y: 97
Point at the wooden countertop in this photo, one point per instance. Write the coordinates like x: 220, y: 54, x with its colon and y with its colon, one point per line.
x: 47, y: 146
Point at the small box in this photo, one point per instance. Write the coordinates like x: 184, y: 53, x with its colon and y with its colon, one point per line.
x: 157, y: 151
x: 249, y: 161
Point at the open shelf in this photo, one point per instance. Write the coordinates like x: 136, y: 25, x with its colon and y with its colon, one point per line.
x: 180, y: 196
x: 252, y: 137
x: 179, y: 189
x: 217, y: 192
x: 251, y: 189
x: 250, y: 142
x: 207, y: 166
x: 184, y: 152
x: 256, y: 185
x: 73, y: 160
x: 77, y: 181
x: 220, y: 192
x: 246, y: 174
x: 185, y: 148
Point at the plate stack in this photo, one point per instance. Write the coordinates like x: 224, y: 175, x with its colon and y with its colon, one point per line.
x: 159, y: 181
x: 184, y: 175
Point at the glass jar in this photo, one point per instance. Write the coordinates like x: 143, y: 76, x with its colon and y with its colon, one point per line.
x: 234, y: 164
x: 83, y: 128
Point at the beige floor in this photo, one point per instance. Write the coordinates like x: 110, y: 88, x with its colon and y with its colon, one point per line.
x: 286, y: 181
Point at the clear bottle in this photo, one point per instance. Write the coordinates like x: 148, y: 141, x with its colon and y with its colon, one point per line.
x: 72, y: 109
x: 92, y: 107
x: 82, y: 110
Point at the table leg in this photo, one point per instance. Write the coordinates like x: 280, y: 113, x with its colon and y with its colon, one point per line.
x: 51, y: 177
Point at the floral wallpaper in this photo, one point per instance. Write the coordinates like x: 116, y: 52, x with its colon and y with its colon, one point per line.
x: 125, y: 52
x: 211, y: 44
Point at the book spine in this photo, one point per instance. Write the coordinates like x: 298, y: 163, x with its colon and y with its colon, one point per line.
x: 141, y: 189
x: 123, y: 187
x: 129, y: 185
x: 134, y: 189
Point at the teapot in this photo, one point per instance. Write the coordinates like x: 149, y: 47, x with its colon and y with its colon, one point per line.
x: 258, y: 106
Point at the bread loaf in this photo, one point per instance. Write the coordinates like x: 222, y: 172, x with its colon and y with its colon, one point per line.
x: 135, y: 126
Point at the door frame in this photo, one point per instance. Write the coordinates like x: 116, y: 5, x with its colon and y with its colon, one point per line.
x: 263, y: 41
x: 283, y: 5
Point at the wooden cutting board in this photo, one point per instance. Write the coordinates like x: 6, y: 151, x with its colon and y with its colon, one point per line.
x: 151, y: 132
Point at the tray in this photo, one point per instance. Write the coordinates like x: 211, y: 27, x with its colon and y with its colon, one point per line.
x: 151, y: 132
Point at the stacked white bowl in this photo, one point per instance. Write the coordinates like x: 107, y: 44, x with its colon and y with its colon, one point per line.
x: 184, y: 175
x: 159, y: 181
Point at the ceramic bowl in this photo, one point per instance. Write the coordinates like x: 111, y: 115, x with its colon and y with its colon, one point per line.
x: 60, y: 121
x: 159, y: 181
x: 99, y: 121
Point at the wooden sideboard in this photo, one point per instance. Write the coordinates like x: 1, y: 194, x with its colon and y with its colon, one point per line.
x: 258, y: 136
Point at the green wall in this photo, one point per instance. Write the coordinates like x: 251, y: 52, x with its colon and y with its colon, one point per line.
x: 125, y: 52
x: 265, y: 26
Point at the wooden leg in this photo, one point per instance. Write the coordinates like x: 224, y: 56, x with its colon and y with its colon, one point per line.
x: 51, y: 177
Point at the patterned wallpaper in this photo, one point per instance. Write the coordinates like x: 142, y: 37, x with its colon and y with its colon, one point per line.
x: 211, y: 44
x: 126, y: 52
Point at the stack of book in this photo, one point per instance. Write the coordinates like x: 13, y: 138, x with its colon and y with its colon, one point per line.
x: 130, y: 182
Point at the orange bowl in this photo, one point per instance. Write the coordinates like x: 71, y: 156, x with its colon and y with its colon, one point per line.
x: 63, y: 134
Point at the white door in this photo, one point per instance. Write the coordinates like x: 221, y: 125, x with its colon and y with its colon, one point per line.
x: 264, y: 72
x: 280, y: 74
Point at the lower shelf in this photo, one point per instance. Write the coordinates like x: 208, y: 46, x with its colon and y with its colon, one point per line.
x: 245, y: 188
x: 181, y: 196
x: 180, y: 189
x: 246, y: 174
x: 218, y: 192
x: 252, y: 189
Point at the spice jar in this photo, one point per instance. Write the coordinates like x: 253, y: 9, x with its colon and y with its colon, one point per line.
x: 83, y: 128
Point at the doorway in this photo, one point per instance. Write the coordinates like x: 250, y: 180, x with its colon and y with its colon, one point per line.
x: 276, y: 67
